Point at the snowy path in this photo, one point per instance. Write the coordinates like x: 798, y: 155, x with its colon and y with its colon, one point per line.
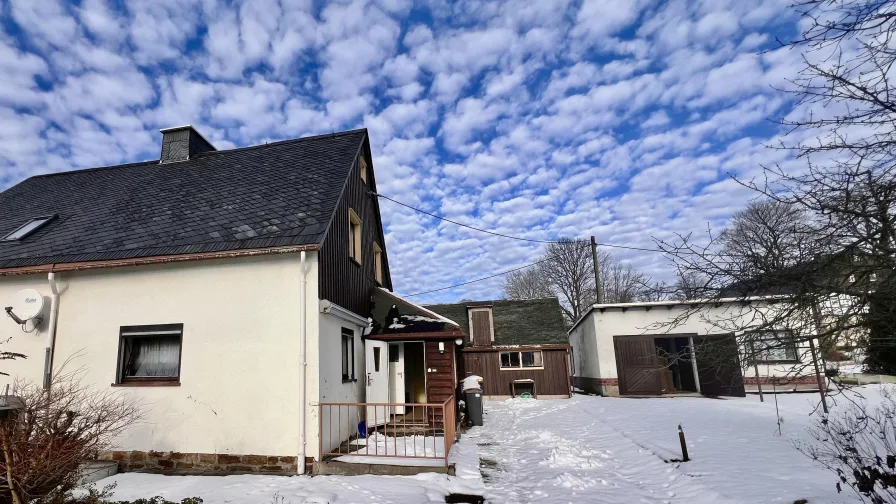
x: 581, y: 450
x: 558, y: 451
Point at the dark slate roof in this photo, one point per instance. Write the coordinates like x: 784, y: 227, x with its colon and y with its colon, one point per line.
x: 279, y: 194
x: 517, y: 322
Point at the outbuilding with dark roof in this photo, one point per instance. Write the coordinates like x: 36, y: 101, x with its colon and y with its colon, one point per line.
x: 518, y: 347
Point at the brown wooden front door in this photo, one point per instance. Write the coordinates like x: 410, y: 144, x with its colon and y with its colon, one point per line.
x: 637, y: 365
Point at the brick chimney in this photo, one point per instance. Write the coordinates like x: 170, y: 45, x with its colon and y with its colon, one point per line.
x: 181, y: 143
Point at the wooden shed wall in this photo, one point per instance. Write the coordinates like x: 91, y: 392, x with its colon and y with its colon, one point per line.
x: 552, y: 380
x: 440, y: 383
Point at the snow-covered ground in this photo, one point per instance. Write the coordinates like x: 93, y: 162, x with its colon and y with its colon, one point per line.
x: 414, y: 450
x: 612, y: 450
x: 585, y: 449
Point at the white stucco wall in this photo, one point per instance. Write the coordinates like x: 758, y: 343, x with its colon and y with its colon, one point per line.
x: 592, y: 338
x: 584, y: 348
x: 332, y: 388
x: 12, y: 339
x: 240, y: 362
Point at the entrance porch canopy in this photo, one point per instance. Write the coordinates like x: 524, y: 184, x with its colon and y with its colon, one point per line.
x: 397, y: 319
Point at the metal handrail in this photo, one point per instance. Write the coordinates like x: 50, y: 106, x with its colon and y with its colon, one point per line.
x: 421, y: 424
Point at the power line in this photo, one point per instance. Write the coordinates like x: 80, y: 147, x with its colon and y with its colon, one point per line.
x: 609, y: 245
x: 464, y: 225
x: 484, y: 278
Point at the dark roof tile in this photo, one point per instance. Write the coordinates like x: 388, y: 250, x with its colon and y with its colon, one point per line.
x: 517, y: 322
x: 214, y: 202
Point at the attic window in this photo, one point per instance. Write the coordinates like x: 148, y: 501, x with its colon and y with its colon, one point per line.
x: 28, y: 228
x: 482, y: 327
x: 363, y: 166
x: 378, y: 263
x: 354, y: 236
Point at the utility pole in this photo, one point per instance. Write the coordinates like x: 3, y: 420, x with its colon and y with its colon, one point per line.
x: 600, y: 294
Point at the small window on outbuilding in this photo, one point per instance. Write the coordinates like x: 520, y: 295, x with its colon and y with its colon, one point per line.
x: 378, y: 263
x: 519, y: 360
x: 354, y: 236
x: 774, y: 346
x: 29, y: 227
x: 362, y: 165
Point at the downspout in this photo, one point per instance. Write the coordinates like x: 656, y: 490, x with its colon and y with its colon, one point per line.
x: 303, y: 297
x: 54, y: 312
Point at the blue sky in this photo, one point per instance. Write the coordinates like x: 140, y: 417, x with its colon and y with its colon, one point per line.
x: 620, y: 119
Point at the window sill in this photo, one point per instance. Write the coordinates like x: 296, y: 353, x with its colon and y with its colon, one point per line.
x: 354, y: 261
x: 527, y: 368
x: 148, y: 383
x: 778, y: 362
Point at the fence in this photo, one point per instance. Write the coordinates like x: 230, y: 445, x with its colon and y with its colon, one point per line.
x: 398, y: 430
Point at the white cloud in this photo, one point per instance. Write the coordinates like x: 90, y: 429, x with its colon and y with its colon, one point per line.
x: 100, y: 21
x: 716, y: 25
x: 620, y: 119
x: 19, y: 70
x: 597, y: 19
x: 159, y: 29
x: 46, y: 22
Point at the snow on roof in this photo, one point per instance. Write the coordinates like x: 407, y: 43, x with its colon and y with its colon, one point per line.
x: 435, y: 316
x: 689, y: 302
x: 676, y: 302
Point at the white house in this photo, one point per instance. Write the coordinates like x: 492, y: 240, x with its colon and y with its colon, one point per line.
x: 231, y: 292
x: 669, y: 347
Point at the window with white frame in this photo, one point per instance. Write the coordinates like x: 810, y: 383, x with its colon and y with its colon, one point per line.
x: 348, y: 355
x: 773, y: 346
x: 521, y: 360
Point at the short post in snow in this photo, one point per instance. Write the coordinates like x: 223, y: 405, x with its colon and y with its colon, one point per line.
x: 684, y: 445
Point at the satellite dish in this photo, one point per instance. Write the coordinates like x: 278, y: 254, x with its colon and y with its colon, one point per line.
x: 27, y: 304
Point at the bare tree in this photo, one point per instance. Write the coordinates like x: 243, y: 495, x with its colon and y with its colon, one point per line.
x: 824, y: 235
x: 655, y: 291
x: 568, y: 268
x: 5, y: 355
x: 529, y: 283
x: 766, y: 235
x: 45, y: 440
x: 691, y: 285
x: 621, y: 282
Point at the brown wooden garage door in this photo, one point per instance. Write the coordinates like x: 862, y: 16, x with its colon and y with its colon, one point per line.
x: 718, y: 365
x: 637, y: 365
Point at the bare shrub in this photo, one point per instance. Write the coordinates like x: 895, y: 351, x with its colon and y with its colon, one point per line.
x: 44, y: 442
x: 858, y: 443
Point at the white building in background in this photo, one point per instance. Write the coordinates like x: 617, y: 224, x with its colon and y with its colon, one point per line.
x: 645, y: 349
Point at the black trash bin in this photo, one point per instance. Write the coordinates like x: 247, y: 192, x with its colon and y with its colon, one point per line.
x: 473, y: 398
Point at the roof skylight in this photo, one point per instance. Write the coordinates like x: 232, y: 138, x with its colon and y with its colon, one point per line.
x: 27, y: 228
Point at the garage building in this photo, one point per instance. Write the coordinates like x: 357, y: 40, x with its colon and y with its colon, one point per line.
x: 686, y: 347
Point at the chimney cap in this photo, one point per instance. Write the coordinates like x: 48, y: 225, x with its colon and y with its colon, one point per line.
x: 186, y: 127
x: 180, y: 143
